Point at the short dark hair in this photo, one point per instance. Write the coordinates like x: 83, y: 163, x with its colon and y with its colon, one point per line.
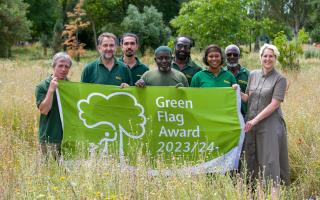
x: 129, y: 35
x: 107, y: 35
x: 212, y: 48
x: 188, y: 37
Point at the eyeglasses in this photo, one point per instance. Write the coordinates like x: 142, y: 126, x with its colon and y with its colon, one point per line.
x: 232, y: 54
x: 180, y: 46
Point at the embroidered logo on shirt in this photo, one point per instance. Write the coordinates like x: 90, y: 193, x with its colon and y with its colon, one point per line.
x: 226, y: 81
x: 242, y: 81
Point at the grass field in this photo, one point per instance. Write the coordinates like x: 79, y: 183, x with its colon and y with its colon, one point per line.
x: 25, y: 175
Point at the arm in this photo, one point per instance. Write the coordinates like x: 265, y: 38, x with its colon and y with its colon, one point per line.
x: 244, y: 97
x: 46, y: 104
x: 142, y: 81
x: 185, y: 81
x: 266, y: 112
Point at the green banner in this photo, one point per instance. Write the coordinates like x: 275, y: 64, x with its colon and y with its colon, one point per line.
x: 202, y: 126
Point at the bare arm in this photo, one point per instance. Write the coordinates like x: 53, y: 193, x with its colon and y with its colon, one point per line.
x: 46, y: 104
x: 266, y: 112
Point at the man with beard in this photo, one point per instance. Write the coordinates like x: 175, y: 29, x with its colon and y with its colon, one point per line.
x: 164, y: 75
x: 129, y: 45
x: 50, y: 127
x: 182, y: 60
x: 240, y: 73
x: 107, y: 69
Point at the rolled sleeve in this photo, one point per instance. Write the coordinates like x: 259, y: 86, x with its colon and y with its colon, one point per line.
x: 280, y: 89
x: 40, y: 95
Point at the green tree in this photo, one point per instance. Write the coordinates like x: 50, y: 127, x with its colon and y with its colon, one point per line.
x: 315, y: 33
x: 290, y: 50
x: 148, y: 25
x: 313, y: 22
x: 56, y: 43
x: 261, y: 26
x: 14, y: 25
x: 294, y: 13
x: 102, y: 14
x: 213, y: 21
x: 43, y: 15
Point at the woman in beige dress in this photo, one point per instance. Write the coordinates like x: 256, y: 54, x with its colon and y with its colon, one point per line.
x: 265, y: 145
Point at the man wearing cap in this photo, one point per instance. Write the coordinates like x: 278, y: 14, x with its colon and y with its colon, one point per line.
x: 50, y: 128
x: 107, y: 69
x: 129, y: 45
x: 164, y: 75
x: 182, y: 60
x: 240, y: 73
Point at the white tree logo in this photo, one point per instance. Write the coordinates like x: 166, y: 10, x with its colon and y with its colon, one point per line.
x: 98, y: 110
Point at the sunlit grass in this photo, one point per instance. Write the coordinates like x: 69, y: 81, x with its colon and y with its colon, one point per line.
x: 24, y: 174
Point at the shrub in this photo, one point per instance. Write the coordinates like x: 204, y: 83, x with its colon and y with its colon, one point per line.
x: 290, y: 50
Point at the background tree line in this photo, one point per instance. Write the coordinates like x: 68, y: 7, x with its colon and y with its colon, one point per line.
x: 207, y: 21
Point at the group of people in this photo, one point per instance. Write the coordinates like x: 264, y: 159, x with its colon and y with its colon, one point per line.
x: 262, y: 91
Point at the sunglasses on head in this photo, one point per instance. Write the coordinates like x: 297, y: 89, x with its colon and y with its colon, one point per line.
x: 232, y: 54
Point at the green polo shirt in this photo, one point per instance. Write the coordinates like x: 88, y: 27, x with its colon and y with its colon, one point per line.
x: 96, y: 72
x: 189, y: 70
x: 137, y: 70
x: 50, y: 128
x: 158, y: 78
x: 242, y: 79
x: 205, y: 78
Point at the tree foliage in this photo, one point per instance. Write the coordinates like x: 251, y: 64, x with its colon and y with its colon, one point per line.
x: 148, y: 25
x: 14, y: 25
x: 74, y: 47
x: 56, y: 43
x: 213, y: 21
x: 43, y: 15
x: 290, y: 50
x: 292, y: 13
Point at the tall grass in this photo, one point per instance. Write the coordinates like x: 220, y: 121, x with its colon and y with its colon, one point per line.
x: 312, y: 52
x: 25, y: 174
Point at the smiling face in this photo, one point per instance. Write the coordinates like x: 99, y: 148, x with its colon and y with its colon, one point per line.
x: 107, y: 48
x: 163, y: 60
x: 268, y: 59
x: 182, y: 48
x: 129, y: 46
x: 214, y: 59
x: 61, y: 69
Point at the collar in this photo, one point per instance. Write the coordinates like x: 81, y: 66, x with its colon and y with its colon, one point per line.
x: 187, y: 64
x: 221, y: 71
x: 101, y: 63
x: 137, y: 61
x: 269, y: 73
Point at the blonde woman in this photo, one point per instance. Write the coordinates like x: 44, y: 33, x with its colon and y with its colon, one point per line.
x: 265, y: 145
